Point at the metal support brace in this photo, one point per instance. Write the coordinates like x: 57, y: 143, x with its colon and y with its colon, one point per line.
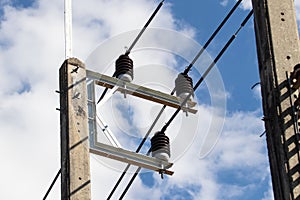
x: 131, y: 157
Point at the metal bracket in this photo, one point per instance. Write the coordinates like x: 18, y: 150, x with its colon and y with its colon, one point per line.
x: 116, y: 152
x: 140, y: 91
x: 131, y: 157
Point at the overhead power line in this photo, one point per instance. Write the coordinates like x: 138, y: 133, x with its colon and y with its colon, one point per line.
x: 195, y: 87
x: 144, y: 28
x: 208, y: 70
x: 135, y: 41
x: 213, y: 35
x: 185, y: 72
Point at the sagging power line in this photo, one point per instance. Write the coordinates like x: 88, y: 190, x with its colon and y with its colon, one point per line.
x: 52, y: 184
x: 195, y: 87
x: 185, y: 72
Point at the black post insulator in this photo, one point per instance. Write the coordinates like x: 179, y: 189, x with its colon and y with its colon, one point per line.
x: 160, y: 146
x: 184, y: 85
x: 124, y: 68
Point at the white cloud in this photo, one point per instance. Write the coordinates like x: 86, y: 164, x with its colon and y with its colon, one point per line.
x: 269, y: 195
x: 31, y: 51
x: 240, y: 151
x: 246, y: 4
x: 224, y: 2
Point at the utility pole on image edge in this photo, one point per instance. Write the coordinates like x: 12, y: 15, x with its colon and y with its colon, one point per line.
x: 278, y: 53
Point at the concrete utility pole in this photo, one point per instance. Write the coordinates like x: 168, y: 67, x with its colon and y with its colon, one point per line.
x: 75, y: 160
x: 278, y: 56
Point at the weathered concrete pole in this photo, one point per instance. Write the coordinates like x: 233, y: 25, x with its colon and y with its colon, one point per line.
x: 75, y: 160
x: 278, y: 53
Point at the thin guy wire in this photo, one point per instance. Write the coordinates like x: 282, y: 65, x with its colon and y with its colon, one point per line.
x: 195, y: 87
x: 52, y: 184
x: 185, y: 72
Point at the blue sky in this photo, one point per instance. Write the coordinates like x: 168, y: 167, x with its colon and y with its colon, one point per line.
x: 239, y: 61
x: 32, y: 49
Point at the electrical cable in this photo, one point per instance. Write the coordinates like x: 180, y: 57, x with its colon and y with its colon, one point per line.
x: 52, y: 184
x: 137, y: 151
x: 212, y: 36
x: 136, y: 40
x: 137, y: 171
x: 208, y: 70
x: 195, y: 87
x: 144, y: 28
x: 185, y: 72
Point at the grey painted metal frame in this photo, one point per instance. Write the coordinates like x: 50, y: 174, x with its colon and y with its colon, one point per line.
x: 140, y: 91
x: 113, y: 152
x: 130, y: 157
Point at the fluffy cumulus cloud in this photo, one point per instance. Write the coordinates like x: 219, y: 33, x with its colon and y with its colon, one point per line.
x: 224, y: 2
x: 31, y: 52
x: 228, y: 172
x: 246, y: 4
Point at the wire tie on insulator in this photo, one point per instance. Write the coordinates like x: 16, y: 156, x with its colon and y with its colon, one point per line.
x: 186, y: 68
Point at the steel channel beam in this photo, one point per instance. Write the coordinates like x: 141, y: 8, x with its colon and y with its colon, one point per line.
x: 139, y: 91
x: 131, y: 157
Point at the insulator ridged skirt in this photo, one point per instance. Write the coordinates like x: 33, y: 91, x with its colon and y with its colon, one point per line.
x: 184, y: 85
x: 124, y: 65
x: 160, y: 142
